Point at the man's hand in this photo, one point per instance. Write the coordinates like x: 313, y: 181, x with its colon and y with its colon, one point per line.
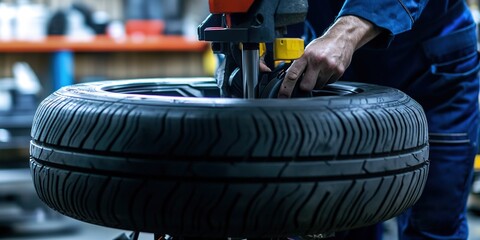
x: 327, y: 57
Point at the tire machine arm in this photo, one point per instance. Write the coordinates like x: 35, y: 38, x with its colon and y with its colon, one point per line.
x: 237, y: 29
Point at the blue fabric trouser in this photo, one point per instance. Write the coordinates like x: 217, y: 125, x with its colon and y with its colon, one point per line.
x: 441, y: 74
x: 449, y: 94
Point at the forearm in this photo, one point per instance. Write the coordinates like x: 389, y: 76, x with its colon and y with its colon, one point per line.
x: 352, y: 30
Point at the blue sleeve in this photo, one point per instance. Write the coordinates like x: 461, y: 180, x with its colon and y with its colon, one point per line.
x: 395, y: 16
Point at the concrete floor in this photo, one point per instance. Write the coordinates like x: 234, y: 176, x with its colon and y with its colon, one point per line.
x: 85, y: 231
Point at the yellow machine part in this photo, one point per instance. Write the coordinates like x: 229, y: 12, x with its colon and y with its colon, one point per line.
x: 263, y: 49
x: 288, y: 49
x: 476, y: 166
x: 210, y: 63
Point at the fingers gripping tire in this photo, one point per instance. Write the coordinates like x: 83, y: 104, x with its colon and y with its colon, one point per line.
x: 162, y: 156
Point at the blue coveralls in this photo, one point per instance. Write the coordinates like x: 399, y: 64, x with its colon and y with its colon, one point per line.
x: 428, y: 50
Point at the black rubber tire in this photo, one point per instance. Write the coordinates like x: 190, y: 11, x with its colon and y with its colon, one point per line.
x: 218, y: 167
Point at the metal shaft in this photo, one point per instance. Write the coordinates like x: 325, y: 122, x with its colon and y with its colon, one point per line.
x: 250, y: 69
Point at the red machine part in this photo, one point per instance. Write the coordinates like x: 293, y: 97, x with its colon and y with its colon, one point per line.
x: 230, y: 6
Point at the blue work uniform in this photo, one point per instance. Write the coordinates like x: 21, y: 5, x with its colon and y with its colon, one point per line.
x: 428, y: 49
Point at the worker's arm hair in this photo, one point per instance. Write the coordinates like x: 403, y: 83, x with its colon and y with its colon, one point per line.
x: 354, y: 30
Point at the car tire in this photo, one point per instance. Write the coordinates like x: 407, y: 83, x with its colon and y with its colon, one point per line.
x: 167, y: 156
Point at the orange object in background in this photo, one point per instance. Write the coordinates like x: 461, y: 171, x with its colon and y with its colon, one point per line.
x: 230, y: 6
x: 145, y: 27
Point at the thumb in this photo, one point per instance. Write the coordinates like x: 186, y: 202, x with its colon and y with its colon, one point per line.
x: 264, y: 67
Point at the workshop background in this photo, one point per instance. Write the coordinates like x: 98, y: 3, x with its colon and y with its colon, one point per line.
x: 47, y: 44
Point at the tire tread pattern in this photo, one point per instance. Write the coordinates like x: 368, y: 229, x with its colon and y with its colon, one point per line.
x: 358, y: 129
